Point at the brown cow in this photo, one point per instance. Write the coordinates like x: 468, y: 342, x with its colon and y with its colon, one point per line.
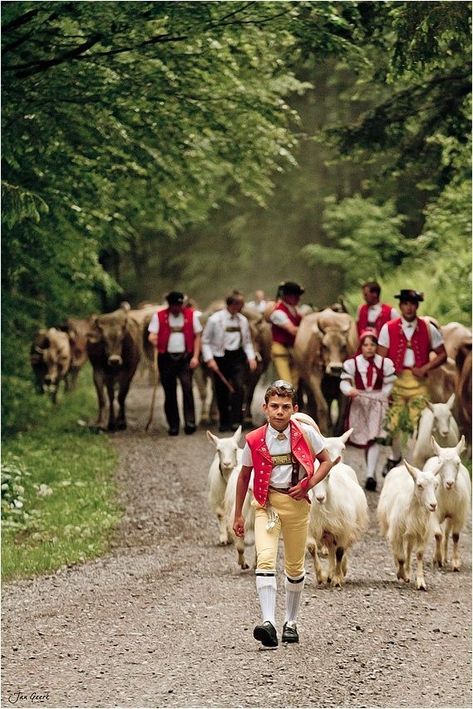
x: 50, y: 358
x: 463, y: 393
x: 323, y: 341
x: 76, y: 331
x: 455, y: 336
x: 114, y: 348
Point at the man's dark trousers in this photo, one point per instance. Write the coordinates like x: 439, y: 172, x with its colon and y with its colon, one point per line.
x: 171, y: 368
x: 234, y: 367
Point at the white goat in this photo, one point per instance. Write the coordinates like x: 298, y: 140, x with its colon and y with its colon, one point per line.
x: 453, y: 498
x: 223, y: 476
x: 436, y: 420
x: 405, y: 508
x: 335, y: 445
x: 338, y: 517
x: 227, y: 458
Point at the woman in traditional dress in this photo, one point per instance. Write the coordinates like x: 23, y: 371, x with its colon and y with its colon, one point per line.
x: 367, y: 379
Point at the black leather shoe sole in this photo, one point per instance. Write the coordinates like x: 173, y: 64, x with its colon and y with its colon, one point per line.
x: 370, y: 484
x: 266, y: 634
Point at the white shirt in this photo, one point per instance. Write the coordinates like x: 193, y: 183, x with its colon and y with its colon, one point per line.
x: 374, y: 311
x: 348, y: 374
x: 408, y: 329
x: 176, y: 344
x: 260, y: 306
x: 279, y: 317
x: 281, y: 474
x: 225, y: 331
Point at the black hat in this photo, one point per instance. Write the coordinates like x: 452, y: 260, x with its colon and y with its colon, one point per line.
x: 410, y: 296
x: 175, y: 298
x: 291, y: 288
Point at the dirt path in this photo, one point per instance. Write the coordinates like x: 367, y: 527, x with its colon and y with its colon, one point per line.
x: 166, y: 619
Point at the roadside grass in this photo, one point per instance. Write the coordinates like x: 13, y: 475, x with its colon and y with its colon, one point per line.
x: 59, y: 501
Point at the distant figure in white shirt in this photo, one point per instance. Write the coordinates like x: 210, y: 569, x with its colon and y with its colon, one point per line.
x: 367, y: 379
x: 260, y: 302
x: 373, y: 314
x: 408, y: 341
x: 227, y: 350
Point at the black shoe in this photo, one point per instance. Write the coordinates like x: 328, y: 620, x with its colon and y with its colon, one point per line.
x: 370, y: 484
x: 289, y: 633
x: 190, y: 429
x: 173, y: 432
x: 266, y: 634
x: 389, y: 465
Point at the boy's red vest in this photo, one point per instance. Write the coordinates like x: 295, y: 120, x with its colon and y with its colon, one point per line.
x: 164, y: 332
x: 420, y: 343
x: 383, y: 317
x: 279, y: 333
x: 263, y: 465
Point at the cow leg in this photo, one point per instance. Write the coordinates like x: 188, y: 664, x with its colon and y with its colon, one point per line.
x: 322, y: 408
x: 120, y: 424
x: 99, y: 382
x: 110, y: 384
x: 337, y: 577
x: 438, y: 556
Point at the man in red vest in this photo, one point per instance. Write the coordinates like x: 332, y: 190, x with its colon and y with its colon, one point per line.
x: 176, y: 332
x: 285, y: 321
x: 408, y: 342
x: 281, y: 453
x: 372, y: 314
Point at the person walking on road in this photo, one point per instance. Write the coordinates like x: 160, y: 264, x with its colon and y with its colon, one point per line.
x: 282, y: 454
x: 373, y: 314
x: 227, y: 350
x: 176, y: 332
x: 367, y: 380
x: 285, y: 321
x: 408, y: 342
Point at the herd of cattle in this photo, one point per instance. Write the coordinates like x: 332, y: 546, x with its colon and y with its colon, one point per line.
x: 114, y: 343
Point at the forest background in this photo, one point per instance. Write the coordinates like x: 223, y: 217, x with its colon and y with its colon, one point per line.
x: 149, y: 146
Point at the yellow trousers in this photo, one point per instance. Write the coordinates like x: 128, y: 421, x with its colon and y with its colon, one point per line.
x: 293, y: 522
x: 408, y: 396
x: 283, y: 361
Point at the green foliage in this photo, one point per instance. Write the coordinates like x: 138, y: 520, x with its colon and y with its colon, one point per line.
x: 360, y: 232
x: 58, y: 496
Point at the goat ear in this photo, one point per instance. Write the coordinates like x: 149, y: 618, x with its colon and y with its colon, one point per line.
x: 429, y: 406
x: 347, y: 435
x: 237, y: 434
x: 411, y: 470
x: 213, y: 439
x: 451, y: 401
x: 435, y: 446
x: 461, y: 445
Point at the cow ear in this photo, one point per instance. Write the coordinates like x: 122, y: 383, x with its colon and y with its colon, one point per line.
x: 451, y: 401
x: 93, y: 334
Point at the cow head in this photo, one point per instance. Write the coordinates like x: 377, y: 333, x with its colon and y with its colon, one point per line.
x: 109, y: 330
x: 334, y: 349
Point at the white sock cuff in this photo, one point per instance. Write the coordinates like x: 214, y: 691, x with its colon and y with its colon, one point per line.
x: 295, y: 584
x: 266, y: 579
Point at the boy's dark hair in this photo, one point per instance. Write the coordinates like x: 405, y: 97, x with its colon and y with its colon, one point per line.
x: 234, y: 296
x: 280, y: 388
x: 373, y: 287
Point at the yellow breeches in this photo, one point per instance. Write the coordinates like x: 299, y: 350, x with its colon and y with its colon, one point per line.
x: 283, y: 362
x: 409, y: 396
x: 293, y: 521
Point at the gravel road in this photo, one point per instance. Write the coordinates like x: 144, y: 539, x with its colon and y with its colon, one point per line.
x: 166, y: 619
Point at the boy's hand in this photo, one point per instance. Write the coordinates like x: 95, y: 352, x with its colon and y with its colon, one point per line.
x: 239, y: 526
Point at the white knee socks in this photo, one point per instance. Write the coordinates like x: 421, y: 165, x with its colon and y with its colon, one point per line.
x: 294, y: 589
x: 372, y: 455
x: 266, y: 587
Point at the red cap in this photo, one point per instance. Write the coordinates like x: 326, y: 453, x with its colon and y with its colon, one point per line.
x: 368, y: 332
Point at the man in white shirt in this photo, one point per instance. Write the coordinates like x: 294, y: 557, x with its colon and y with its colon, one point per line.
x: 373, y: 314
x: 227, y: 350
x: 176, y: 332
x: 408, y: 342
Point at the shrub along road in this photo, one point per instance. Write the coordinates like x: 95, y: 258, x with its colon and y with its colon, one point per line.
x: 165, y: 620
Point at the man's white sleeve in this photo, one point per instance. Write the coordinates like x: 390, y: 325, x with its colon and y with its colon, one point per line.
x: 154, y: 324
x: 247, y: 459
